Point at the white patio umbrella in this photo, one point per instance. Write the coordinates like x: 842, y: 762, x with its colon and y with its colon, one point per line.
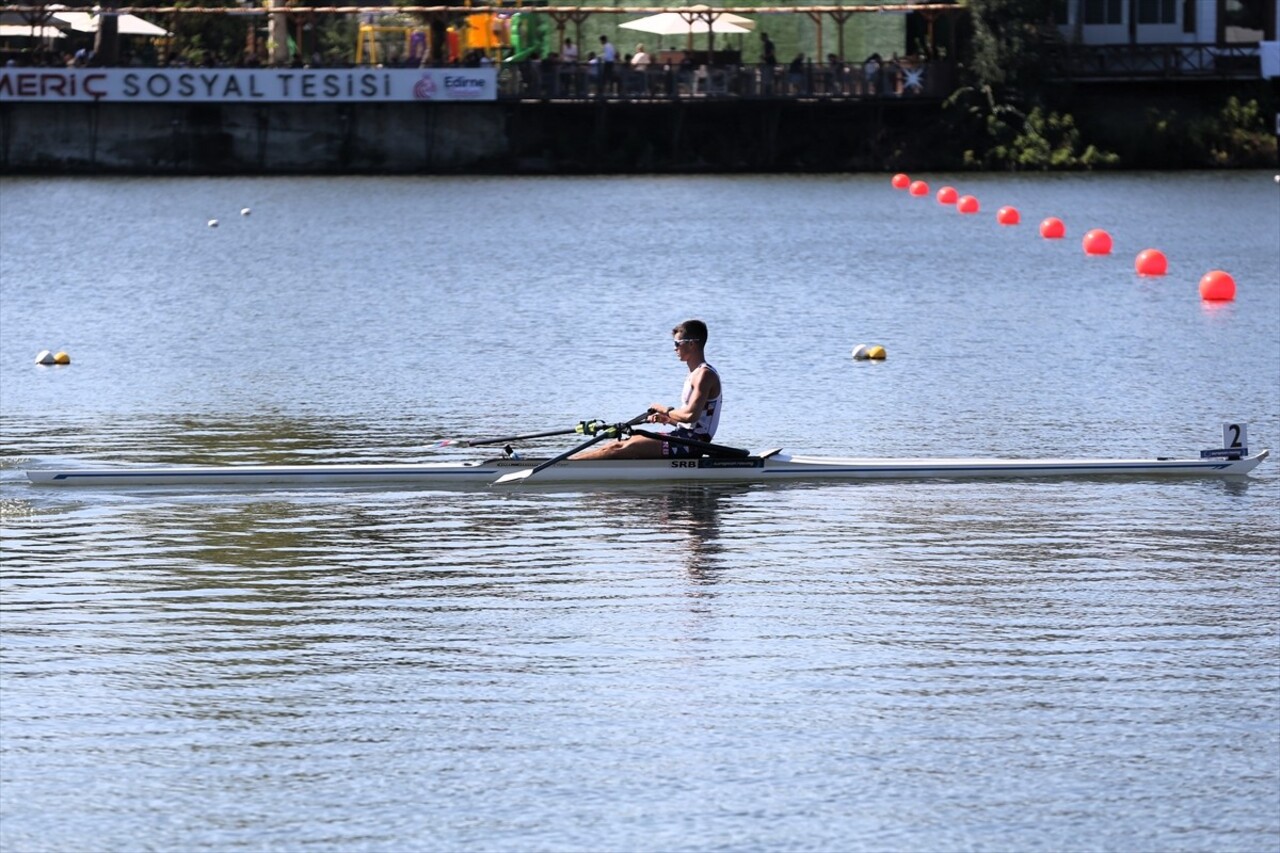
x: 30, y: 25
x: 691, y: 20
x: 21, y: 31
x: 127, y: 25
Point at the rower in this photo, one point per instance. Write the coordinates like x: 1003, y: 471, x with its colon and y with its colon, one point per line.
x: 696, y: 416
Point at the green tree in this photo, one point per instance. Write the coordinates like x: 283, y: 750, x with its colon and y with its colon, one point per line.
x: 1007, y: 37
x: 1001, y: 136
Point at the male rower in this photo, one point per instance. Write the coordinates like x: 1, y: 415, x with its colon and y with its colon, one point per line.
x: 696, y: 416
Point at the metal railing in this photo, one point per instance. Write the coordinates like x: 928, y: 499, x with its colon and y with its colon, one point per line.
x: 1153, y: 61
x: 548, y: 80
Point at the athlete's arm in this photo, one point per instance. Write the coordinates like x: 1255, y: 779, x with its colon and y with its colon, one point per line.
x: 706, y: 387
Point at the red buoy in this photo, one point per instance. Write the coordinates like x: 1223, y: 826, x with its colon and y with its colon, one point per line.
x: 1053, y: 229
x: 947, y: 195
x: 1151, y: 262
x: 918, y: 188
x: 1008, y: 216
x: 967, y: 204
x: 1096, y: 242
x: 900, y: 181
x: 1217, y: 286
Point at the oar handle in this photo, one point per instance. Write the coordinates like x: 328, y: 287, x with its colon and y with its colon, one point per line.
x: 590, y: 427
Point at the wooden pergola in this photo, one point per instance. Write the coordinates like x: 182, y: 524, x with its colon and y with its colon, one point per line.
x: 562, y: 15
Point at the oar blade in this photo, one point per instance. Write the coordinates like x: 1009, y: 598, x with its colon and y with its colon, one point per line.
x: 514, y: 477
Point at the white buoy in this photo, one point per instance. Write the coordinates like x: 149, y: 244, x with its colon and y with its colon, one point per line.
x: 863, y: 352
x: 244, y: 211
x: 213, y: 223
x: 44, y: 357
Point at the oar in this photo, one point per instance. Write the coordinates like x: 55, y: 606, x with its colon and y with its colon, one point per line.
x: 607, y: 432
x: 582, y: 428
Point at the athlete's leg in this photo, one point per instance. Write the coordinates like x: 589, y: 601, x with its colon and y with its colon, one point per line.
x: 635, y: 447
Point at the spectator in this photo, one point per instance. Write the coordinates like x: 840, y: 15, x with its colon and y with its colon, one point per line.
x: 608, y: 60
x: 796, y: 75
x: 770, y: 54
x: 871, y: 74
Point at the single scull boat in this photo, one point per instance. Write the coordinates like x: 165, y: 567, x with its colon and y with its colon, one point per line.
x: 772, y: 466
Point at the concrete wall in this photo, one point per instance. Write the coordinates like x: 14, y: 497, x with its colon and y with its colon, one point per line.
x: 501, y: 137
x: 239, y: 138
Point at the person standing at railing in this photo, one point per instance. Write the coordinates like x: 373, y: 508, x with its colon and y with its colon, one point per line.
x: 768, y: 62
x: 796, y: 76
x: 569, y: 68
x: 835, y: 75
x: 871, y: 75
x: 640, y: 71
x: 769, y: 55
x: 592, y: 73
x: 608, y: 64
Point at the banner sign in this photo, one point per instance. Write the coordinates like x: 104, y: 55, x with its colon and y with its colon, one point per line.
x: 248, y: 85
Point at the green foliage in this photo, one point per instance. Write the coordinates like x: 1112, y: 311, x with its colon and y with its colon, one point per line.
x: 1006, y: 34
x: 1051, y: 141
x: 1237, y: 137
x: 336, y: 38
x: 1016, y: 141
x: 207, y: 39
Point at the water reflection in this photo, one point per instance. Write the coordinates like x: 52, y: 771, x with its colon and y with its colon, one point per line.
x: 470, y: 647
x: 689, y: 515
x: 261, y: 440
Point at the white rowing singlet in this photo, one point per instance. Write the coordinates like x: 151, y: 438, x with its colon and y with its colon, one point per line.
x: 705, y: 425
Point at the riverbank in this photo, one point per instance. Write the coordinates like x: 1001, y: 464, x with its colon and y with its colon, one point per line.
x: 713, y: 135
x: 492, y: 138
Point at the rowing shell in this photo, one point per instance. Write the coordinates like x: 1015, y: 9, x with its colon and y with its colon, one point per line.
x: 763, y: 468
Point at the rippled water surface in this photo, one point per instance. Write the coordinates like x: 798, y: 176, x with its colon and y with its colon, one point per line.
x: 984, y: 665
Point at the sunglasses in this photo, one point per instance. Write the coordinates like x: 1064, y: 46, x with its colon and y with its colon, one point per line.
x: 679, y: 342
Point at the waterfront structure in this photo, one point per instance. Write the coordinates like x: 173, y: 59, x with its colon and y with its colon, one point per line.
x: 1140, y: 39
x: 1221, y: 22
x: 705, y: 107
x: 1224, y: 39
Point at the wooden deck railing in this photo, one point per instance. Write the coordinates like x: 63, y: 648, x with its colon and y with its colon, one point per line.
x: 1153, y: 61
x: 892, y: 79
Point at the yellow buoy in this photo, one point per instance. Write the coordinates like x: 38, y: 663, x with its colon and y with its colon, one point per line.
x: 863, y: 352
x: 62, y: 358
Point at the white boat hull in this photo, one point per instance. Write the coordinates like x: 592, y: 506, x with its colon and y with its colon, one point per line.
x: 775, y: 468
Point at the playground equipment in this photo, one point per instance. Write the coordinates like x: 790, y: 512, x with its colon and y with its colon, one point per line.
x: 529, y: 35
x: 488, y: 32
x: 502, y: 36
x: 415, y: 41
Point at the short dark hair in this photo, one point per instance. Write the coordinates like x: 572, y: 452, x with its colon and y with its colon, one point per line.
x: 692, y: 329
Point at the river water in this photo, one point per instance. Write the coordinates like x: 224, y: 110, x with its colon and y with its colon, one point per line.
x: 1007, y: 665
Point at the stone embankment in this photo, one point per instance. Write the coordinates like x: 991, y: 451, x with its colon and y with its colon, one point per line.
x: 524, y: 137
